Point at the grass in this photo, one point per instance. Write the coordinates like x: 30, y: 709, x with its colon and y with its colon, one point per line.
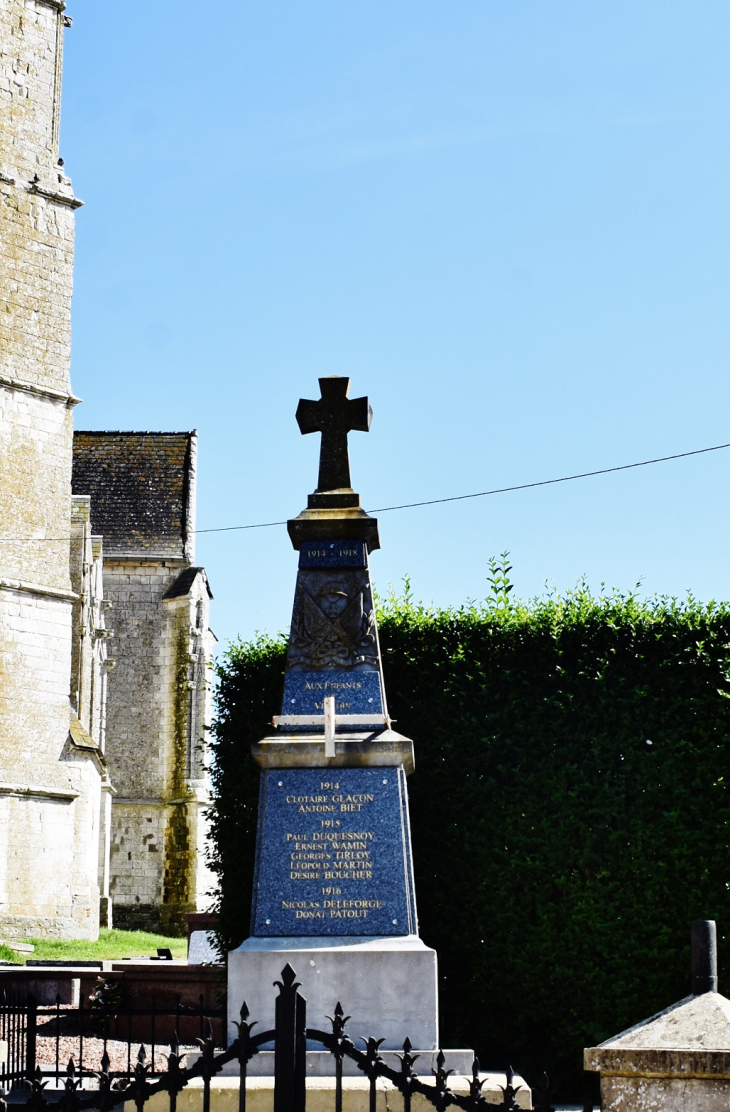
x: 111, y: 944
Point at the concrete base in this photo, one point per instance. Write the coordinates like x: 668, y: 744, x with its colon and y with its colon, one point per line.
x: 388, y: 986
x: 320, y: 1095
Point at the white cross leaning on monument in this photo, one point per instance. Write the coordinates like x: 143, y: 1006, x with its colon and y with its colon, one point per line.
x: 328, y: 720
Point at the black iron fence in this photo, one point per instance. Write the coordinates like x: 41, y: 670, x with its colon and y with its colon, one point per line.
x: 17, y: 1031
x: 46, y: 1036
x: 289, y: 1038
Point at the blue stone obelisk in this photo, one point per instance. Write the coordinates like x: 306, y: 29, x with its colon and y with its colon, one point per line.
x: 334, y: 892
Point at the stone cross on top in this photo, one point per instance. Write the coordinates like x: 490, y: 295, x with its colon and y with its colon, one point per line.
x: 334, y: 415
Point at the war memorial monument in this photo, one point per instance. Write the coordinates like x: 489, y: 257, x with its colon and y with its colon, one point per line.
x: 334, y: 893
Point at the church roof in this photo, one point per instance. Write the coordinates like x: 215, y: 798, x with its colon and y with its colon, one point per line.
x: 142, y: 488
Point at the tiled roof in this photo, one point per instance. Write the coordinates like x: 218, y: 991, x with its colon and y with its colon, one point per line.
x: 184, y: 582
x: 80, y: 736
x: 142, y: 488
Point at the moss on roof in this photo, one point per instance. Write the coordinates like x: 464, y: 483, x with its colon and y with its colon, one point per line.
x: 141, y: 486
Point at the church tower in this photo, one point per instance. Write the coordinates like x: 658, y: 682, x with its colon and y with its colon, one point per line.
x: 50, y: 777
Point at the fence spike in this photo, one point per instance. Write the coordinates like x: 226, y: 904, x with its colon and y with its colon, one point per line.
x: 441, y: 1079
x: 408, y: 1074
x: 510, y: 1093
x: 338, y: 1021
x: 440, y: 1063
x: 244, y: 1012
x: 476, y: 1085
x: 543, y: 1103
x: 407, y: 1059
x: 288, y: 979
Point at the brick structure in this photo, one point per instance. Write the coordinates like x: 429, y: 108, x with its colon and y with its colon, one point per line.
x: 51, y: 767
x: 142, y: 490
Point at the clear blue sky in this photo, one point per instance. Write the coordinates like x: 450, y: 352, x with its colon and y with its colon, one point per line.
x: 506, y: 221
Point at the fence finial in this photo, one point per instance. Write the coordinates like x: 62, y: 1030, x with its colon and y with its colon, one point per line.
x: 704, y: 956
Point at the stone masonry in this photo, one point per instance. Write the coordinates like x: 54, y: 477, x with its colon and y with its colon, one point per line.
x: 50, y: 783
x: 89, y: 669
x: 142, y: 489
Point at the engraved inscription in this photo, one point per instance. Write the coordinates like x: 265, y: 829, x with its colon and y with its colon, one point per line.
x: 335, y: 854
x: 331, y: 852
x: 333, y: 554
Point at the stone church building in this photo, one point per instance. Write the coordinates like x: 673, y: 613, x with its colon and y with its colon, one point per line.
x: 102, y: 780
x: 142, y: 488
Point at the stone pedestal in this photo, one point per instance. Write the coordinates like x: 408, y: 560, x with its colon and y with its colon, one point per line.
x: 677, y: 1061
x: 387, y: 985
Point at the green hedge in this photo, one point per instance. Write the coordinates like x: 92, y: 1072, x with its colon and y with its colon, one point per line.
x: 569, y: 806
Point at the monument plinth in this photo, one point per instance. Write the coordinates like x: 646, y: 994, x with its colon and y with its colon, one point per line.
x: 334, y: 893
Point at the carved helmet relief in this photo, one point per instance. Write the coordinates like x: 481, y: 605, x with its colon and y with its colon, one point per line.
x: 333, y: 624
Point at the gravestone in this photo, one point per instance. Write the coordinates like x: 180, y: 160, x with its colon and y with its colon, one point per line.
x: 202, y: 949
x: 334, y: 893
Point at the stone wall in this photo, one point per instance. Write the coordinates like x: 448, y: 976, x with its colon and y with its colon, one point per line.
x: 35, y: 656
x: 35, y: 492
x: 138, y: 687
x: 31, y: 41
x: 158, y: 711
x: 37, y: 199
x: 49, y: 788
x: 36, y: 890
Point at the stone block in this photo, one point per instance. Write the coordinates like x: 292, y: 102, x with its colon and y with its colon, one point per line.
x: 676, y: 1061
x: 388, y: 986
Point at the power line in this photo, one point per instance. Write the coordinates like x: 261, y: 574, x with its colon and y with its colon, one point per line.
x: 453, y: 497
x: 550, y: 482
x: 498, y: 490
